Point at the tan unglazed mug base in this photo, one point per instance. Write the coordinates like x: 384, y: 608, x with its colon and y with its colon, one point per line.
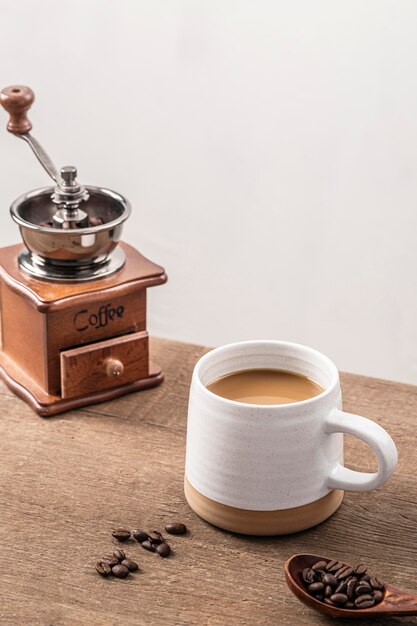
x: 282, y: 522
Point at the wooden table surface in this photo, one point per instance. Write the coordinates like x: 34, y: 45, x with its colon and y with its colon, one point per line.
x: 65, y: 482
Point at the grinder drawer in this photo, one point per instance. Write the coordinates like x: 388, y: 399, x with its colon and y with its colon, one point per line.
x: 104, y: 364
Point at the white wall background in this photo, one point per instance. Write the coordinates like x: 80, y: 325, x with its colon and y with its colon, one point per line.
x: 269, y: 149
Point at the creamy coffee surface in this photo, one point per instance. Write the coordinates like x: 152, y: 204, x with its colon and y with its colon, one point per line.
x: 265, y: 386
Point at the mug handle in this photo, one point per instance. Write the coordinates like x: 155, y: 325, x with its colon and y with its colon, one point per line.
x: 376, y: 437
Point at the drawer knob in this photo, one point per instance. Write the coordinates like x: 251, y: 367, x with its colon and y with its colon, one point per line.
x: 114, y: 367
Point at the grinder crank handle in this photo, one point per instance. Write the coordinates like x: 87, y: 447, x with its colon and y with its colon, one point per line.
x: 17, y: 101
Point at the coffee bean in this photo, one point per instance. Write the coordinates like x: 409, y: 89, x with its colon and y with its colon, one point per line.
x: 176, y: 528
x: 339, y: 598
x: 95, y: 221
x: 119, y: 555
x: 148, y: 545
x: 140, y: 535
x: 375, y: 583
x: 344, y: 572
x: 315, y: 587
x: 342, y: 586
x: 131, y: 565
x: 363, y: 588
x: 120, y: 571
x: 103, y: 569
x: 122, y: 534
x: 309, y: 575
x: 110, y: 560
x: 156, y: 537
x: 333, y: 566
x: 329, y: 579
x: 364, y: 602
x: 164, y: 550
x: 351, y: 586
x: 378, y: 596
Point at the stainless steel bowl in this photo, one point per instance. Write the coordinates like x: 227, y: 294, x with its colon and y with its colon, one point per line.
x: 76, y: 254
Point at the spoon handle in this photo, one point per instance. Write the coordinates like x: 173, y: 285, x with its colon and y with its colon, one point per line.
x: 398, y: 602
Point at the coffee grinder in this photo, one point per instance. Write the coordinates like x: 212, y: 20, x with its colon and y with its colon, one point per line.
x: 73, y: 297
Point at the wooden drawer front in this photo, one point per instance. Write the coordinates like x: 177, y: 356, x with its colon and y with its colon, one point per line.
x: 95, y: 320
x: 104, y: 364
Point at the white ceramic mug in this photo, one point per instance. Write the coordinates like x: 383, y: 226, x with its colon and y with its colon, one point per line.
x: 274, y: 469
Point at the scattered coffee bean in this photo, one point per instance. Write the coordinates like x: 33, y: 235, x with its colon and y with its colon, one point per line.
x: 110, y: 560
x: 339, y: 584
x: 148, y: 545
x: 176, y: 528
x: 156, y: 537
x: 164, y: 550
x: 131, y: 565
x: 112, y: 565
x: 119, y: 555
x: 119, y: 565
x: 103, y: 569
x: 120, y: 571
x: 140, y: 535
x: 339, y: 598
x: 122, y: 534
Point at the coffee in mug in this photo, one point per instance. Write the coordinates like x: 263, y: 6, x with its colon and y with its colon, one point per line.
x: 265, y: 386
x: 265, y: 429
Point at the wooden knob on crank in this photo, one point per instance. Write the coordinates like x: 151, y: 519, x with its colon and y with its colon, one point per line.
x: 114, y: 367
x: 17, y: 100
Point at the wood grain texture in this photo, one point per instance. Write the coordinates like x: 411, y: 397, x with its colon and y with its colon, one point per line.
x: 70, y: 327
x: 23, y: 334
x: 94, y: 366
x: 65, y: 482
x: 40, y: 319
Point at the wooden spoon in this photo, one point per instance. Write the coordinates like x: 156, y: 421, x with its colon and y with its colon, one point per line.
x: 396, y: 601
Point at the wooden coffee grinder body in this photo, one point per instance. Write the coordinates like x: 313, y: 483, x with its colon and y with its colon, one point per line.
x: 66, y: 345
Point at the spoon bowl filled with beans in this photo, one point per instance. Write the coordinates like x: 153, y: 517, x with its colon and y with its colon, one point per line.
x: 342, y: 590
